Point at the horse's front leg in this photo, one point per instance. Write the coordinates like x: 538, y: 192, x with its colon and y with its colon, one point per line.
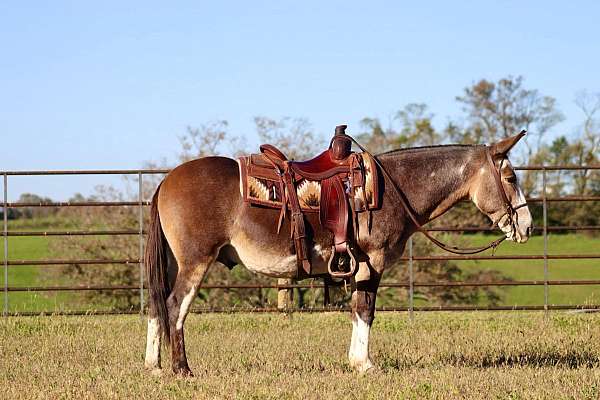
x: 363, y: 313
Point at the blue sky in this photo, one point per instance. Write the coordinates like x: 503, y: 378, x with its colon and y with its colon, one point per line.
x: 112, y: 84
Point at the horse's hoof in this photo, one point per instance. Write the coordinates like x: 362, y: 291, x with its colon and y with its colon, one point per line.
x: 153, y: 369
x: 365, y: 368
x: 370, y: 369
x: 183, y: 372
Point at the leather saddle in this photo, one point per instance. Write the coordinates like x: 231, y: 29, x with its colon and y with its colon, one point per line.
x: 338, y: 184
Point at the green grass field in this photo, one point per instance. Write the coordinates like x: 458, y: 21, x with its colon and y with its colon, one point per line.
x: 534, y: 269
x: 483, y: 355
x: 34, y: 248
x: 38, y: 247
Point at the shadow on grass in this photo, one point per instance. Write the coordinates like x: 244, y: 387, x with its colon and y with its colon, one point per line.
x: 568, y: 360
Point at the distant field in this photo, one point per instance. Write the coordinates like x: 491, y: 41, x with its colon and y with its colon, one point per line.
x: 503, y: 355
x: 557, y: 269
x: 38, y: 247
x: 29, y: 248
x: 34, y: 248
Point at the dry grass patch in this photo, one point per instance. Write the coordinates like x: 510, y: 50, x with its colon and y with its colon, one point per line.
x: 440, y: 355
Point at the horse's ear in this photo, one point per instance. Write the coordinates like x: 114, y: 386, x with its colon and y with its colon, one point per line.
x: 502, y: 147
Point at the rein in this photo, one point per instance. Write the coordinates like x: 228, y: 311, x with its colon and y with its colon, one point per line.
x: 511, y: 212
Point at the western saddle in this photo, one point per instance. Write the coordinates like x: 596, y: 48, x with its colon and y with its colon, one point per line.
x: 338, y: 184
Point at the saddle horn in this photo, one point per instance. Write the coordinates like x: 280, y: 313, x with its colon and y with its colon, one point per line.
x: 341, y: 144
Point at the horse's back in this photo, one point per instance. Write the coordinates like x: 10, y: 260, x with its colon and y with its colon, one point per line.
x: 203, y: 173
x: 197, y: 204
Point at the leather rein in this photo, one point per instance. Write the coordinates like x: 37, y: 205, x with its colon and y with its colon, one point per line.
x: 510, y: 211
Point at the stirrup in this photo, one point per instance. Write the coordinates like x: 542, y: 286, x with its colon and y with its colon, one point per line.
x: 342, y: 274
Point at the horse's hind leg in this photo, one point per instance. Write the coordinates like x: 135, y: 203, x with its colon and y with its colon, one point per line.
x: 153, y: 342
x: 183, y: 294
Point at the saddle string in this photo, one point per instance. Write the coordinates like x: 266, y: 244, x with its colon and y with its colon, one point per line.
x: 452, y: 249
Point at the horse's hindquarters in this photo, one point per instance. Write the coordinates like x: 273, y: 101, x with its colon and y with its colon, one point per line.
x: 198, y: 203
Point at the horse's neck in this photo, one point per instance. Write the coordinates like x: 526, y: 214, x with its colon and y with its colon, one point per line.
x: 432, y: 179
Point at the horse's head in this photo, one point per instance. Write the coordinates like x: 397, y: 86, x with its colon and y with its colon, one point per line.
x: 496, y: 192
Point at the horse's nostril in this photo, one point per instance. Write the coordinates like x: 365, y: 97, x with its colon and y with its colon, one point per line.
x: 529, y: 231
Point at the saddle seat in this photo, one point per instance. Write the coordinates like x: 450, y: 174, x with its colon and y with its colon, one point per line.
x: 339, y: 174
x: 320, y: 167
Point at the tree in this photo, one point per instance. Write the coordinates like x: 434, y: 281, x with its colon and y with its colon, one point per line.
x: 409, y: 127
x: 31, y: 212
x: 209, y: 139
x: 416, y: 126
x: 500, y: 109
x: 587, y: 149
x: 293, y: 136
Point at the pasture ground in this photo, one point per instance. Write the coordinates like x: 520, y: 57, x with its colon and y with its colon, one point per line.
x: 506, y: 355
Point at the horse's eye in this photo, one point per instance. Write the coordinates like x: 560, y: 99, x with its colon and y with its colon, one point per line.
x: 511, y: 179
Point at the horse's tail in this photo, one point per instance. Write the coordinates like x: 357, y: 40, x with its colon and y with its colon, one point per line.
x: 155, y: 260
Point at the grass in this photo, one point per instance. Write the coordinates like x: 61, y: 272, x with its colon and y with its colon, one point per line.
x: 33, y: 248
x: 534, y: 269
x: 441, y: 355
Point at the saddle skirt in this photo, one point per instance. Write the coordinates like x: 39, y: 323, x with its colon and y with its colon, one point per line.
x: 261, y: 185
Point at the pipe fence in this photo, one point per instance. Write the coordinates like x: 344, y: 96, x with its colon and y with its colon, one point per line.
x: 282, y: 285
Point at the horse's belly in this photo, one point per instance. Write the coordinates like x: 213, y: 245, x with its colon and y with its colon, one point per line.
x: 264, y: 260
x: 269, y: 259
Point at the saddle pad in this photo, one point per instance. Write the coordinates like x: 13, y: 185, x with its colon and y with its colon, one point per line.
x: 261, y: 185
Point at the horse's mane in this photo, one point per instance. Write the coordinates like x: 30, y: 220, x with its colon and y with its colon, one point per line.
x: 442, y: 147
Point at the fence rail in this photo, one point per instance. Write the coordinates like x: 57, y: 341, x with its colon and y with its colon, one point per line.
x: 411, y: 258
x: 315, y: 286
x: 147, y: 203
x: 128, y: 261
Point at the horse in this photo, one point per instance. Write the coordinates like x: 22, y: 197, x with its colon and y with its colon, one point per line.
x: 199, y: 219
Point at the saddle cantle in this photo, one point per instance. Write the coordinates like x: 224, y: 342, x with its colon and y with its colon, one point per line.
x: 338, y: 184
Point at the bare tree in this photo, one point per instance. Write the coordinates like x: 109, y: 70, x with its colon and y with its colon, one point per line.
x: 589, y: 104
x: 209, y: 139
x: 417, y: 127
x: 294, y: 136
x: 500, y: 109
x: 410, y: 126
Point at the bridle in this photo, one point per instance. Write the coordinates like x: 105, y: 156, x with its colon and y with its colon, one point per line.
x: 510, y: 211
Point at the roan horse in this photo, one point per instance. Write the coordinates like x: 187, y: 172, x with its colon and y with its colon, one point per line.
x: 198, y: 219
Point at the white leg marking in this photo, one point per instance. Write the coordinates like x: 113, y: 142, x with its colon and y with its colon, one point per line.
x: 153, y: 344
x: 359, y: 347
x: 184, y: 308
x: 351, y: 351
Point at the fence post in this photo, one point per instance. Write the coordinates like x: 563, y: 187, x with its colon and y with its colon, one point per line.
x: 141, y: 241
x: 545, y: 226
x: 284, y: 295
x: 411, y: 307
x: 5, y: 231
